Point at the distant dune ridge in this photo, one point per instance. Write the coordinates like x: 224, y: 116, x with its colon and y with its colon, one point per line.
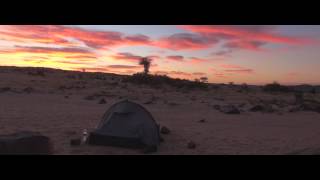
x: 235, y: 119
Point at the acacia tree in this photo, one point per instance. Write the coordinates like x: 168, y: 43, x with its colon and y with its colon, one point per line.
x: 146, y: 62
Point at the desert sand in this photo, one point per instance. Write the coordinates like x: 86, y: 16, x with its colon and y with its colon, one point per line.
x: 61, y: 104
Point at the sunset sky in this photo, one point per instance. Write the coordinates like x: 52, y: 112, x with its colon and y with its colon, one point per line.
x: 255, y: 54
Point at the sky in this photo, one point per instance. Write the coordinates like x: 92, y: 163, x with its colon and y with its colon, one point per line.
x: 252, y: 54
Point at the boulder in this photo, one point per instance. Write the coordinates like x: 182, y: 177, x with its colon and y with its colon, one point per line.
x: 191, y: 145
x: 25, y: 143
x: 102, y: 101
x: 230, y: 109
x: 75, y: 142
x: 164, y: 130
x: 216, y: 107
x: 28, y: 90
x: 5, y: 89
x: 262, y: 108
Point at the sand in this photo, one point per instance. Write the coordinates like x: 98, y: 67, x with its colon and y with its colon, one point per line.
x: 46, y: 109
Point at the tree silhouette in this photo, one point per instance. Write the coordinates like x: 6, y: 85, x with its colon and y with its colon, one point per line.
x: 204, y: 79
x: 146, y: 62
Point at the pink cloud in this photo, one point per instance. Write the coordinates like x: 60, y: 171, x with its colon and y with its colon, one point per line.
x: 251, y: 32
x: 236, y: 69
x: 176, y: 58
x: 185, y: 41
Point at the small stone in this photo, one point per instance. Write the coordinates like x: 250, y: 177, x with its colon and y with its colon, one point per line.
x: 191, y: 145
x: 230, y: 109
x: 161, y: 139
x: 102, y: 101
x: 217, y: 107
x: 257, y: 108
x: 66, y: 97
x: 150, y: 149
x: 89, y: 98
x: 5, y: 89
x: 28, y: 89
x: 164, y: 130
x: 75, y: 142
x: 202, y: 120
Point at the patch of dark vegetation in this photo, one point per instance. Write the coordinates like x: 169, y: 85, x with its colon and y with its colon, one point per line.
x: 158, y: 80
x: 5, y: 89
x: 62, y: 88
x: 229, y: 109
x: 28, y: 90
x: 37, y: 72
x: 276, y: 87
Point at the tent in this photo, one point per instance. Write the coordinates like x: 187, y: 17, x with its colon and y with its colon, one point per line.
x: 126, y: 124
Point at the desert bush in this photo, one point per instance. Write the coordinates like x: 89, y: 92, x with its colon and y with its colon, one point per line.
x: 37, y: 73
x: 157, y: 80
x: 276, y: 87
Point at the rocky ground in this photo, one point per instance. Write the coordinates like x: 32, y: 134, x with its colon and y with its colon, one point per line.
x: 222, y: 120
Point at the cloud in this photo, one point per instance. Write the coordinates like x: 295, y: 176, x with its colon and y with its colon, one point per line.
x: 123, y: 67
x: 262, y: 33
x: 51, y: 50
x: 249, y: 71
x: 199, y: 74
x: 220, y: 75
x: 195, y: 60
x: 139, y: 38
x: 81, y: 57
x: 246, y: 37
x: 176, y: 58
x: 185, y: 41
x: 225, y: 52
x: 127, y: 57
x: 249, y: 45
x: 236, y: 69
x: 60, y: 35
x: 73, y: 62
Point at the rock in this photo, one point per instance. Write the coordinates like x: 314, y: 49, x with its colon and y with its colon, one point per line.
x: 5, y: 89
x: 150, y: 149
x: 202, y: 120
x: 161, y: 139
x: 310, y: 106
x: 25, y: 143
x: 191, y: 145
x: 294, y: 109
x: 66, y: 97
x: 75, y: 142
x: 89, y: 98
x: 28, y: 90
x: 216, y: 107
x: 102, y: 101
x: 164, y: 130
x: 257, y: 108
x: 229, y: 109
x: 70, y: 133
x: 173, y: 104
x: 262, y: 108
x: 149, y: 102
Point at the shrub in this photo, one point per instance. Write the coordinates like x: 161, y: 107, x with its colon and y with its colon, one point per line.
x: 157, y: 80
x: 276, y: 87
